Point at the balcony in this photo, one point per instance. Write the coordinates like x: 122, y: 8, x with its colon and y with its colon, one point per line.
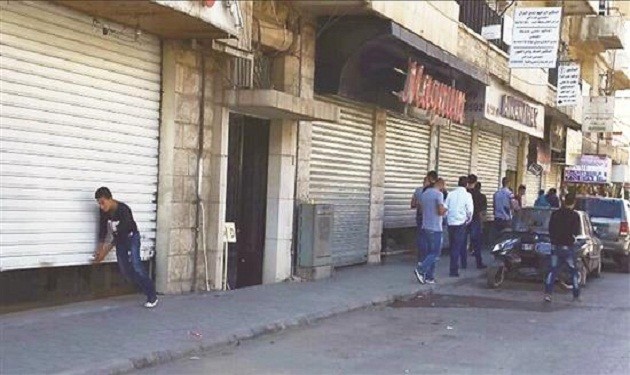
x: 621, y: 70
x: 477, y: 14
x: 597, y: 34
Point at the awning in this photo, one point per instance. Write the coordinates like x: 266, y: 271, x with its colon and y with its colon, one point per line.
x: 359, y: 58
x: 273, y: 104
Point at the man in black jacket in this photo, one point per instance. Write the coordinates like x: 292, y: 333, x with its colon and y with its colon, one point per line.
x: 118, y: 228
x: 475, y: 228
x: 564, y: 227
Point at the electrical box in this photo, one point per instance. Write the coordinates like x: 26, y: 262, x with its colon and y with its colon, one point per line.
x: 315, y: 234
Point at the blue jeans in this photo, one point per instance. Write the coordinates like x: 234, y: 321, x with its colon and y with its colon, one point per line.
x: 563, y: 255
x: 457, y: 235
x: 476, y: 239
x: 133, y: 269
x: 420, y: 242
x: 433, y: 241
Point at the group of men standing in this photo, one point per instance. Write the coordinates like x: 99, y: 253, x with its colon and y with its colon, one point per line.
x: 463, y: 209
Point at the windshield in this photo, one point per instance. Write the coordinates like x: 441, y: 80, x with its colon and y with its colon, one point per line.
x: 532, y: 220
x: 603, y: 208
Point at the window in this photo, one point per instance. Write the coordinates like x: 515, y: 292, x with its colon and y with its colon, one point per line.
x: 602, y: 208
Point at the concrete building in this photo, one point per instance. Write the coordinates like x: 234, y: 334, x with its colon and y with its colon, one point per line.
x: 207, y: 112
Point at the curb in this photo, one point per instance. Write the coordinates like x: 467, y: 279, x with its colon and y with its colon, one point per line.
x: 150, y: 359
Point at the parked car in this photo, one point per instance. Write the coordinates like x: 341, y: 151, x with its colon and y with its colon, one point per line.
x: 524, y: 250
x: 610, y: 220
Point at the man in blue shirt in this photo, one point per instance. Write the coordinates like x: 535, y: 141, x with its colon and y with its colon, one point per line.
x: 503, y: 204
x: 415, y: 204
x: 433, y: 210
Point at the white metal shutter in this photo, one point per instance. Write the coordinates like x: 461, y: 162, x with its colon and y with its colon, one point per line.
x: 454, y: 151
x: 532, y: 185
x: 340, y: 174
x: 406, y: 162
x: 78, y: 110
x: 552, y: 179
x: 511, y: 157
x: 489, y: 166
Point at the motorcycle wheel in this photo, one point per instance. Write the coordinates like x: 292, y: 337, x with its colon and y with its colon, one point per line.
x: 495, y: 276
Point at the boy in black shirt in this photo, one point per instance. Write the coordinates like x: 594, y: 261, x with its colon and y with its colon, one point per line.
x: 117, y: 220
x: 564, y: 226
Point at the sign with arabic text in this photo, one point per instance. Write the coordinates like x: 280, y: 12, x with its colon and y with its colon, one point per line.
x: 592, y: 169
x: 568, y: 85
x: 535, y: 37
x: 598, y: 114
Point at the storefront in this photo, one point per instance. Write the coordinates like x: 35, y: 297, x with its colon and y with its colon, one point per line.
x: 340, y: 172
x: 80, y: 109
x: 506, y: 120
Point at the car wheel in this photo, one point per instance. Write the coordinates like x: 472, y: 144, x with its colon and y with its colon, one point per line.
x: 495, y: 276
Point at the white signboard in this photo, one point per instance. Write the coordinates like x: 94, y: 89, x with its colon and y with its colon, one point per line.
x: 535, y: 37
x: 491, y: 32
x: 592, y: 169
x: 574, y: 146
x: 568, y: 85
x: 508, y: 27
x: 230, y: 233
x: 599, y: 114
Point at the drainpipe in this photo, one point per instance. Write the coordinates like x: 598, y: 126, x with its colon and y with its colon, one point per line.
x: 202, y: 101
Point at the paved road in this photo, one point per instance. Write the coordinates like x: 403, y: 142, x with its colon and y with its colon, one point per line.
x: 465, y: 329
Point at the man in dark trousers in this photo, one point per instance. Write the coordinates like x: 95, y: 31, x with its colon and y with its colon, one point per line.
x: 475, y: 229
x: 415, y: 204
x: 117, y: 219
x: 564, y: 227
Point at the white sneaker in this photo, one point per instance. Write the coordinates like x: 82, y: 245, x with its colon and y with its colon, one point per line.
x: 419, y: 276
x: 150, y: 305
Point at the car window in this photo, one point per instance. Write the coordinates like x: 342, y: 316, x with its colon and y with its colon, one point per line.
x: 602, y: 208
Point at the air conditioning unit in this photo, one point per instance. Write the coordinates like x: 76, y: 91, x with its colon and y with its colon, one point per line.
x: 242, y: 73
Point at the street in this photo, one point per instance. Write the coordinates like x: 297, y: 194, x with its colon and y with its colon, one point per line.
x: 464, y: 328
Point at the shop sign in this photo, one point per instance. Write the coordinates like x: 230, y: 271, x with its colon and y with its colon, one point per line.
x: 568, y: 85
x: 222, y: 14
x: 592, y: 169
x: 598, y: 114
x: 423, y: 91
x: 574, y: 146
x: 535, y: 37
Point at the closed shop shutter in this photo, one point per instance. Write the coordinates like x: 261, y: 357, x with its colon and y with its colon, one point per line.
x: 406, y: 161
x: 454, y: 150
x: 78, y: 110
x: 532, y: 185
x: 511, y: 157
x: 552, y: 179
x: 340, y: 174
x: 489, y: 166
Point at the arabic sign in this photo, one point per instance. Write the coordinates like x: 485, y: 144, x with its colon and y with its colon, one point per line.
x: 491, y: 32
x: 423, y: 91
x: 535, y: 37
x: 598, y: 115
x: 568, y: 84
x: 592, y: 169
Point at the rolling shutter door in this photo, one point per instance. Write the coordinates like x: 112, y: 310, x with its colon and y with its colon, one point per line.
x: 532, y: 184
x: 454, y: 152
x: 511, y: 157
x: 340, y: 174
x: 406, y: 161
x: 78, y: 110
x: 552, y: 179
x: 489, y: 166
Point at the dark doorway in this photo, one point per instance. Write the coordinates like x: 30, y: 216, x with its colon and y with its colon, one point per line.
x: 248, y: 154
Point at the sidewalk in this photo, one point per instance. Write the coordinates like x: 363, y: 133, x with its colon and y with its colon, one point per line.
x: 117, y: 335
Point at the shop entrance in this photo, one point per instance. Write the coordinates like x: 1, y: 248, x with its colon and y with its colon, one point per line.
x: 246, y: 206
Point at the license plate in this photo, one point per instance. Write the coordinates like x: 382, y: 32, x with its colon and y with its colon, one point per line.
x: 528, y: 247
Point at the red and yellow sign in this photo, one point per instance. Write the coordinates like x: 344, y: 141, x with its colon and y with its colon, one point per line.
x: 423, y: 91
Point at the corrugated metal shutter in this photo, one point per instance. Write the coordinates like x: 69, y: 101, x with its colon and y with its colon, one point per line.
x: 552, y: 179
x: 78, y: 110
x: 532, y: 183
x: 489, y: 166
x: 406, y: 161
x: 511, y: 156
x: 454, y: 151
x: 340, y: 174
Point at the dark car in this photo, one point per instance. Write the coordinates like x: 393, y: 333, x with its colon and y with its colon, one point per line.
x: 610, y: 220
x: 524, y: 250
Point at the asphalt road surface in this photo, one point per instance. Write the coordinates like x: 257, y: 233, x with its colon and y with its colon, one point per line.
x: 463, y: 329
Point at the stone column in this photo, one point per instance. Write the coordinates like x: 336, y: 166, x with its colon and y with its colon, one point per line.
x: 523, y: 150
x: 474, y: 149
x: 433, y: 147
x: 377, y: 188
x: 280, y: 201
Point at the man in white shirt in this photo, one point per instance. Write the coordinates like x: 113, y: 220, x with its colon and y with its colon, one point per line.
x: 459, y: 204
